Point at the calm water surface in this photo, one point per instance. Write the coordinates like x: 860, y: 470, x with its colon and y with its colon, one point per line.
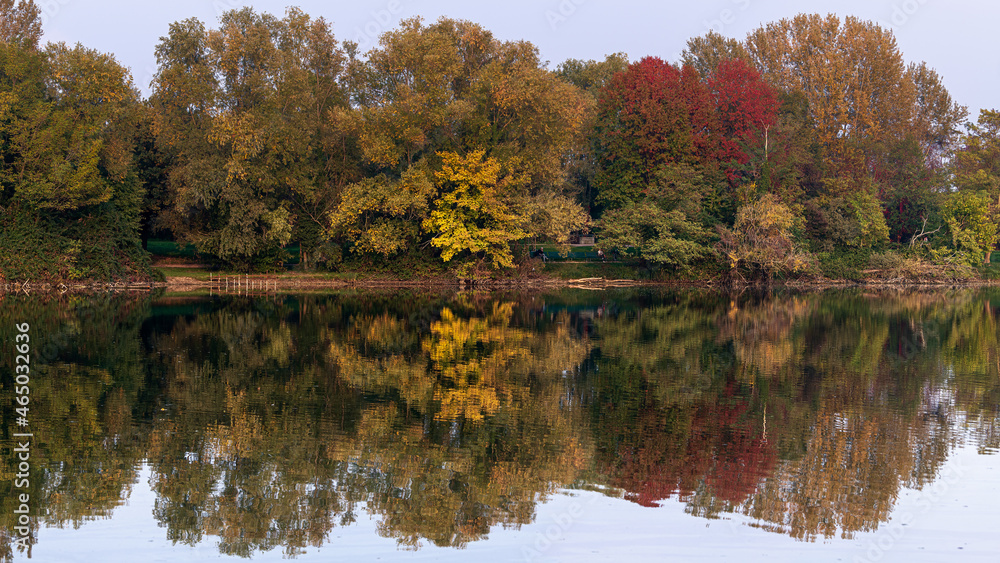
x: 565, y: 426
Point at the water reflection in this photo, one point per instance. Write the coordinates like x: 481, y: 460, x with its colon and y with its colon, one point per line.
x: 269, y: 423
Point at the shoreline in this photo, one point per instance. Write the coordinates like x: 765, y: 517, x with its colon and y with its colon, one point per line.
x: 286, y: 283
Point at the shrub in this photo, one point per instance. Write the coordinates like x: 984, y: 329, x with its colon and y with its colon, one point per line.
x: 760, y: 243
x: 885, y: 261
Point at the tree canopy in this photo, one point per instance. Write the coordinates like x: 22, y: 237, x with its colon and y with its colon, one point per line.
x: 266, y: 135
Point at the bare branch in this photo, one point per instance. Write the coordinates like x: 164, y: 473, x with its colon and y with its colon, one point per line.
x: 923, y: 232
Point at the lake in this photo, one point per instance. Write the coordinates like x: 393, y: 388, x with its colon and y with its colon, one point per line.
x: 402, y: 425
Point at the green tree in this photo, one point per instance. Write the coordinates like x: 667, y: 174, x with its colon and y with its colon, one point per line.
x: 665, y: 238
x: 972, y: 219
x: 70, y: 196
x: 382, y: 216
x: 911, y: 191
x: 249, y: 116
x: 848, y: 215
x: 665, y: 226
x: 592, y: 76
x: 704, y: 53
x: 975, y: 168
x: 936, y: 118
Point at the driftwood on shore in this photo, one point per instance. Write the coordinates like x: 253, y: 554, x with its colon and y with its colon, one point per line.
x: 601, y: 283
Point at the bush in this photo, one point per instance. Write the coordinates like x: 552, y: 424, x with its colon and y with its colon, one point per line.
x: 955, y: 263
x: 940, y: 265
x: 840, y: 266
x: 888, y: 260
x: 760, y: 243
x: 328, y: 256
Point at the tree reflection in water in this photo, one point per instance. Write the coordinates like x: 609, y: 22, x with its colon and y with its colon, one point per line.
x: 268, y: 423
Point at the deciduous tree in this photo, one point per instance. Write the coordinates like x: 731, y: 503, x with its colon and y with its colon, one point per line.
x: 644, y: 121
x: 20, y: 23
x: 706, y: 52
x: 471, y: 214
x: 852, y: 74
x: 250, y: 115
x: 972, y: 220
x: 666, y: 238
x: 452, y: 88
x: 69, y: 192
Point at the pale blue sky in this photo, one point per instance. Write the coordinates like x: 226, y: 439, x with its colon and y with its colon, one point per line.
x: 958, y: 38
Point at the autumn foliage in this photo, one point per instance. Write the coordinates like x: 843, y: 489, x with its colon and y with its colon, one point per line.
x: 655, y: 114
x: 445, y: 144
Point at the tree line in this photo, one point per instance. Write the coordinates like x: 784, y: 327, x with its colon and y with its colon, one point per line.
x: 809, y: 145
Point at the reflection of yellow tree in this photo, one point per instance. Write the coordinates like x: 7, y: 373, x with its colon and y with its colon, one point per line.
x: 444, y: 418
x: 442, y: 429
x: 468, y: 367
x: 475, y: 375
x: 473, y: 357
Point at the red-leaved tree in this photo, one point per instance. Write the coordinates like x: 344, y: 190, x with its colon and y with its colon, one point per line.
x: 654, y: 115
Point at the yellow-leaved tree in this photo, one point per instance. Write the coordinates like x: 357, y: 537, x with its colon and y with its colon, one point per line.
x: 450, y: 87
x: 472, y: 215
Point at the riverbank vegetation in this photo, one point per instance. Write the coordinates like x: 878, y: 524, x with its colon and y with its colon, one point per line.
x: 809, y: 149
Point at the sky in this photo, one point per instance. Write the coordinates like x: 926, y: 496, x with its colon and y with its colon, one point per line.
x: 957, y: 38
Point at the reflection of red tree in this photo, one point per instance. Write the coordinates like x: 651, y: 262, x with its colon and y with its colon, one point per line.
x: 672, y: 451
x: 658, y: 463
x: 741, y: 463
